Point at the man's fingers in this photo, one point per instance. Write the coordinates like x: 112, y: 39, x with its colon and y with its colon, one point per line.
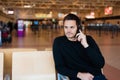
x: 80, y: 31
x: 91, y: 76
x: 77, y: 34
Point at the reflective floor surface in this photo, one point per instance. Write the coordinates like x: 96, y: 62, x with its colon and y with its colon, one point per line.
x: 43, y: 39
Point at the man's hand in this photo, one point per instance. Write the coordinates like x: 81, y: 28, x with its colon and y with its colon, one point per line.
x: 85, y: 76
x: 82, y: 38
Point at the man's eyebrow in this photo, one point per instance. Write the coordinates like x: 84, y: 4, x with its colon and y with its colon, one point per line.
x: 68, y: 26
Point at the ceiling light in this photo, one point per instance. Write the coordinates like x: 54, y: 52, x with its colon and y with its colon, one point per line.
x: 10, y: 12
x: 27, y: 6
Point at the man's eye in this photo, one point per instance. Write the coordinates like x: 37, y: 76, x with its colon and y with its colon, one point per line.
x: 68, y: 27
x: 65, y: 26
x: 71, y: 27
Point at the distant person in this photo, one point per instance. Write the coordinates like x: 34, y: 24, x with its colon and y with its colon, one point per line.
x: 10, y: 25
x: 16, y: 26
x: 77, y: 55
x: 118, y: 24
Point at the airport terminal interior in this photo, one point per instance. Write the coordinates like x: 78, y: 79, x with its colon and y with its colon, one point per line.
x: 34, y: 24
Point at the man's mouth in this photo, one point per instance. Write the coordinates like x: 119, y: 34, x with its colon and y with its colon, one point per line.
x: 68, y: 33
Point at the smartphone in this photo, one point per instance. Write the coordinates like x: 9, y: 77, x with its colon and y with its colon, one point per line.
x: 78, y: 30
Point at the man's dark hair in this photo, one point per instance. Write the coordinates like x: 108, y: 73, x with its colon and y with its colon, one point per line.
x: 73, y: 17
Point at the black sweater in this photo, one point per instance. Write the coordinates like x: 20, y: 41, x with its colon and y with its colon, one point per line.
x: 71, y: 57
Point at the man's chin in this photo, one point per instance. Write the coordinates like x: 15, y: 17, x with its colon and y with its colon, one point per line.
x: 70, y: 37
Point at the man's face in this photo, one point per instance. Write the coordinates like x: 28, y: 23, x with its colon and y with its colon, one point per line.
x: 70, y: 28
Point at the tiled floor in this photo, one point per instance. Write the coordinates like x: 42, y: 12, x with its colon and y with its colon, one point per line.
x: 110, y: 47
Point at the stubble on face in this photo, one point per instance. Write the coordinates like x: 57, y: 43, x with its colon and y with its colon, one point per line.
x: 70, y: 29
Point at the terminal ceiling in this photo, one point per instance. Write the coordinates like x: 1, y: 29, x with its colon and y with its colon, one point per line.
x: 58, y: 5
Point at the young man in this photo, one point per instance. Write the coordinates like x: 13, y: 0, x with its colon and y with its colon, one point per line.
x: 77, y: 55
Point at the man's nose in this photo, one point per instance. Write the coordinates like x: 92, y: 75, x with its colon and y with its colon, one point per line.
x: 69, y: 30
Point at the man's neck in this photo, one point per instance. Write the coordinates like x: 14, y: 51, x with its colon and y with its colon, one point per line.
x: 72, y: 39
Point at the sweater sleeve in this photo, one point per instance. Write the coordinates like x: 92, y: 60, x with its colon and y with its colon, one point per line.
x: 94, y: 53
x: 59, y: 61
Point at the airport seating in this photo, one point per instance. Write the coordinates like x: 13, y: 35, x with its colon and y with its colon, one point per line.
x: 48, y: 49
x: 8, y: 58
x: 33, y: 65
x: 62, y: 77
x: 1, y: 65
